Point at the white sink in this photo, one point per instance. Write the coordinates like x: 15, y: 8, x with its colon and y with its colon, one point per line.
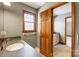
x: 15, y: 47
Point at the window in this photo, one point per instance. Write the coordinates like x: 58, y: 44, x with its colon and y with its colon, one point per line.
x: 29, y: 22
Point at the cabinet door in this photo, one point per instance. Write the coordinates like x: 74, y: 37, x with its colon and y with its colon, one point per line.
x: 46, y: 34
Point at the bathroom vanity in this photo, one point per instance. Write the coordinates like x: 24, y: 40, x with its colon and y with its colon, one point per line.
x: 17, y: 47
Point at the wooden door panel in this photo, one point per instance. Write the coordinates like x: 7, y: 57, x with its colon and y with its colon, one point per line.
x: 46, y: 34
x: 43, y: 28
x: 47, y: 44
x: 43, y: 16
x: 48, y: 27
x: 43, y: 43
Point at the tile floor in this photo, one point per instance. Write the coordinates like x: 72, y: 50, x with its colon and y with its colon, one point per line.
x: 60, y: 51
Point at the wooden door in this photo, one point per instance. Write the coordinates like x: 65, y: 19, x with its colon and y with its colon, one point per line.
x: 46, y: 33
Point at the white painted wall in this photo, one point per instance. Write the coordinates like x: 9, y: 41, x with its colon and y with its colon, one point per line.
x: 59, y: 25
x: 69, y: 41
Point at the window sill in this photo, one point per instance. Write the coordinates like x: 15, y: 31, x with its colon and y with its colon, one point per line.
x: 26, y: 34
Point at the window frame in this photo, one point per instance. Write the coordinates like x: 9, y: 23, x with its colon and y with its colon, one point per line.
x: 23, y: 22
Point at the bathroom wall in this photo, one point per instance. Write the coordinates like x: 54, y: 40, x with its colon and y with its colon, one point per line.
x: 76, y: 29
x: 77, y: 22
x: 1, y: 20
x: 13, y: 22
x: 59, y: 25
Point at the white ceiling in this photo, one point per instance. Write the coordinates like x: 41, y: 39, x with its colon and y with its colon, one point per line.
x: 35, y: 5
x: 63, y: 9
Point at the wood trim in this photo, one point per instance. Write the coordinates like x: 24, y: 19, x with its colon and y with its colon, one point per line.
x: 26, y: 31
x: 23, y: 22
x: 65, y: 27
x: 58, y: 5
x: 55, y: 6
x: 52, y: 24
x: 73, y: 30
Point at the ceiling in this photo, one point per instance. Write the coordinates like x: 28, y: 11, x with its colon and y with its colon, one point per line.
x: 35, y: 5
x: 63, y: 9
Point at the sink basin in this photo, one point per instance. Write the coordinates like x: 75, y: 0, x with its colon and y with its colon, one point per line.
x: 15, y: 47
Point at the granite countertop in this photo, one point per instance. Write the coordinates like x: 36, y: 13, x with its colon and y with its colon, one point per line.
x: 26, y: 51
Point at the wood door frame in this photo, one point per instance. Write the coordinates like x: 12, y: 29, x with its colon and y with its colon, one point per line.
x: 73, y: 25
x: 65, y: 26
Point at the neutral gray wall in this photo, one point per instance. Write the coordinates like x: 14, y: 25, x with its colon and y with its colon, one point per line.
x: 76, y: 28
x: 77, y: 21
x: 13, y: 22
x: 59, y: 25
x: 1, y: 20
